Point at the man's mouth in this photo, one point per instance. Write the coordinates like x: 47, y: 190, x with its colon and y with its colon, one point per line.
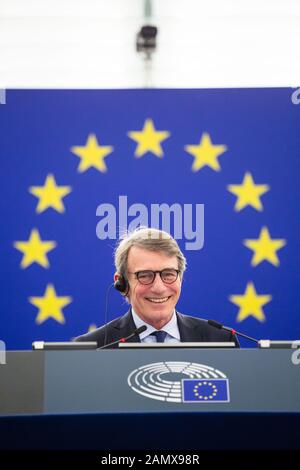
x: 158, y: 300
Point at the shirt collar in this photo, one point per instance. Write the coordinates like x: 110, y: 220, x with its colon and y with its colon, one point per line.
x: 171, y: 327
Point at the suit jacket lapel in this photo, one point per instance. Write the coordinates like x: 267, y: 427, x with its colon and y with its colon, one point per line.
x: 125, y: 326
x: 188, y: 332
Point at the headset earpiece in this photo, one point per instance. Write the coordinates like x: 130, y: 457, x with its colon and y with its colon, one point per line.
x: 122, y: 285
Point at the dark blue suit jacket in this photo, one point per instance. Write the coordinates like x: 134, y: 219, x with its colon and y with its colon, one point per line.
x: 191, y: 329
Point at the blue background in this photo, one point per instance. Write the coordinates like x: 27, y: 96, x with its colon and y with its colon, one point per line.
x: 260, y: 127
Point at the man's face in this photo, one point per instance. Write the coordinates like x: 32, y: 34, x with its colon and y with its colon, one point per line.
x: 154, y: 303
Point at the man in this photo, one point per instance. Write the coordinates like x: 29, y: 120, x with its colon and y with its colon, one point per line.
x: 149, y: 271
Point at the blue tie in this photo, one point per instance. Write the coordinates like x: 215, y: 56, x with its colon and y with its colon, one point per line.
x: 160, y: 335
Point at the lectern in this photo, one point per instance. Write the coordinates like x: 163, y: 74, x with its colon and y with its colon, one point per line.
x: 185, y: 398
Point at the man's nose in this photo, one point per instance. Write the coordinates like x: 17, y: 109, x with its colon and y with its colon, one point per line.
x: 158, y: 283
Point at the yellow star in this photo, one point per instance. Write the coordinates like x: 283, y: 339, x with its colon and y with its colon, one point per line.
x: 265, y: 248
x: 50, y: 305
x: 248, y: 193
x: 34, y: 250
x: 205, y: 153
x: 92, y: 154
x: 250, y: 303
x: 92, y: 327
x: 148, y: 139
x: 50, y: 195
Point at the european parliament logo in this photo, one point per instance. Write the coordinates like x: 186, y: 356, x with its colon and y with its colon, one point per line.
x: 180, y: 382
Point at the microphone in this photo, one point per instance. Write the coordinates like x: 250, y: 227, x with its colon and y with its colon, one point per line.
x: 232, y: 331
x: 137, y: 331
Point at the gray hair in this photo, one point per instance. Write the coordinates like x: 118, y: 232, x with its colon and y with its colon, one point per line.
x: 150, y: 239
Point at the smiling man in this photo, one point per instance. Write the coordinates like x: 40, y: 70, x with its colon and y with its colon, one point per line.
x: 149, y: 271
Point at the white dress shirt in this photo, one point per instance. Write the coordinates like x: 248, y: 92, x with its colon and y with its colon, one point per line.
x: 171, y: 328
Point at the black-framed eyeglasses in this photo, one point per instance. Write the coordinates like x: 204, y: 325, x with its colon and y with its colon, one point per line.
x: 168, y: 276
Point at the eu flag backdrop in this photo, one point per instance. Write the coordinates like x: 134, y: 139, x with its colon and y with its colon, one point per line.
x: 78, y: 166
